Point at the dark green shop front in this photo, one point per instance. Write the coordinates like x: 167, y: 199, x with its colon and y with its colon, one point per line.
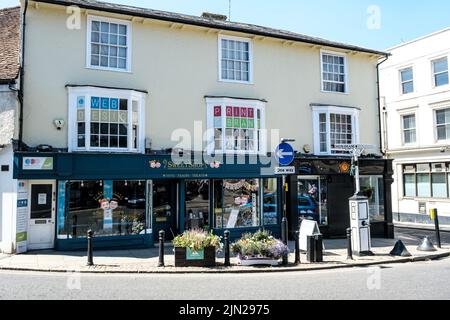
x: 126, y: 199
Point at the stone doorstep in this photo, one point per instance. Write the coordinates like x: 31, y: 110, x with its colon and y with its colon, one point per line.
x: 152, y: 269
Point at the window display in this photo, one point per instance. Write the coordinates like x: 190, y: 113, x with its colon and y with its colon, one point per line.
x: 373, y: 188
x: 270, y: 202
x: 312, y: 199
x: 197, y: 204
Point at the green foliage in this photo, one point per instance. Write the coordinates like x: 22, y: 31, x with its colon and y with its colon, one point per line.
x: 197, y: 240
x: 259, y: 245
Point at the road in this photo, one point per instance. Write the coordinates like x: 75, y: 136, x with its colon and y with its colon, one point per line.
x: 422, y: 280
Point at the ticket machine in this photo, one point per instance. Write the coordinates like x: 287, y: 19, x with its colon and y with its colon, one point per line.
x: 360, y: 225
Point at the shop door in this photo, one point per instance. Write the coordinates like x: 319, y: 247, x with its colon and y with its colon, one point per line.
x: 41, y: 227
x: 164, y: 209
x: 339, y: 191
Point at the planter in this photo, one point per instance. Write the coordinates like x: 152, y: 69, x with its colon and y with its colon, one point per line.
x: 258, y: 262
x: 185, y: 257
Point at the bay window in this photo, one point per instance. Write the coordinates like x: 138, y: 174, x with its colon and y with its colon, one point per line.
x: 235, y: 126
x: 334, y: 126
x: 106, y: 120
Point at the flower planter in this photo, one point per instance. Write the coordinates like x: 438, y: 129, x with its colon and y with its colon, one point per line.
x: 258, y: 262
x: 185, y: 257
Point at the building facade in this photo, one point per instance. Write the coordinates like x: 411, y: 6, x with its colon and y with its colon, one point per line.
x: 138, y: 120
x: 416, y: 93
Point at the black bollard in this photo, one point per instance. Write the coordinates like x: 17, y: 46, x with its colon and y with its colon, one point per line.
x: 226, y: 240
x: 90, y: 248
x: 297, y: 247
x: 349, y: 244
x: 284, y: 238
x: 162, y: 236
x: 438, y: 231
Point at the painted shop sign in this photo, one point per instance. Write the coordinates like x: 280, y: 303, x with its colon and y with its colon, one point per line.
x: 37, y: 163
x: 172, y: 165
x: 22, y: 217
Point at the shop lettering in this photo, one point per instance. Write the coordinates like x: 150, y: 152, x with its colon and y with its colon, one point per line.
x: 196, y: 311
x: 182, y: 165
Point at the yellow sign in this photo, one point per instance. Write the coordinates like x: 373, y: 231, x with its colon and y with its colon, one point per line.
x: 433, y: 214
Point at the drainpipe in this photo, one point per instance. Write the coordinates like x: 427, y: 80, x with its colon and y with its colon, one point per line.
x: 22, y: 67
x: 380, y: 113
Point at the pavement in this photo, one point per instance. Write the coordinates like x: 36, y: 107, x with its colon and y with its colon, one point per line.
x: 145, y: 261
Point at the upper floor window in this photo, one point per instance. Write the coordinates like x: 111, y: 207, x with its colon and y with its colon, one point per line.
x: 443, y: 124
x: 407, y: 80
x: 235, y: 62
x: 235, y: 126
x: 106, y: 120
x: 334, y: 126
x: 440, y: 72
x: 334, y: 73
x: 109, y: 44
x: 409, y: 129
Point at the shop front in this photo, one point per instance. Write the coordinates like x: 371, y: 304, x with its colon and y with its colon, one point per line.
x: 127, y: 199
x: 321, y: 187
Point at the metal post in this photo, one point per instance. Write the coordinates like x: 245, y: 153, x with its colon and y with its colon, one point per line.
x: 357, y: 182
x: 349, y: 244
x: 297, y: 247
x: 438, y: 231
x: 226, y: 239
x: 162, y: 236
x: 90, y: 248
x: 284, y: 237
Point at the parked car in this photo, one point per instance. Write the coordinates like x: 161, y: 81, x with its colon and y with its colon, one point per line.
x: 308, y: 208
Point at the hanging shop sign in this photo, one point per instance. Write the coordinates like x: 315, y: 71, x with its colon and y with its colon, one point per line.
x: 37, y: 163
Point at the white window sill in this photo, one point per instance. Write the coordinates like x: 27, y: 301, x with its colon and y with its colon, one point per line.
x: 236, y: 81
x: 106, y: 150
x: 336, y: 92
x: 109, y: 69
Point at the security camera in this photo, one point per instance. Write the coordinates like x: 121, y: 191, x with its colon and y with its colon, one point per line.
x: 59, y: 124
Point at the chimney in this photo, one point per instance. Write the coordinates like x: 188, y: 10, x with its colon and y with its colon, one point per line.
x: 214, y: 16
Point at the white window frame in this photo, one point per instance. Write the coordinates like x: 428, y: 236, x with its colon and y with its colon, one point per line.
x: 250, y: 67
x: 433, y: 73
x: 88, y: 92
x: 346, y: 70
x: 92, y: 18
x: 436, y: 136
x: 403, y: 128
x: 317, y: 110
x: 223, y: 103
x: 403, y: 82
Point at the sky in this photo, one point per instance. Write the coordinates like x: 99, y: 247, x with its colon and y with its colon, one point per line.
x: 376, y: 24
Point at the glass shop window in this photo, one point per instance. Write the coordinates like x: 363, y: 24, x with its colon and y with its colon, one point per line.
x: 270, y: 202
x: 373, y: 188
x: 312, y: 199
x: 197, y: 204
x: 108, y: 208
x: 240, y: 203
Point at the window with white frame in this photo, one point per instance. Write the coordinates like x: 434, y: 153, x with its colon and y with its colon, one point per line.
x: 235, y: 126
x: 109, y: 44
x: 235, y: 59
x: 334, y: 72
x: 443, y: 124
x: 334, y: 126
x: 407, y: 80
x: 440, y: 72
x: 409, y: 129
x: 106, y: 120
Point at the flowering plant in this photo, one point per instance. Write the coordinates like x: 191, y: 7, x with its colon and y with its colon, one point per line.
x: 197, y: 240
x: 261, y: 245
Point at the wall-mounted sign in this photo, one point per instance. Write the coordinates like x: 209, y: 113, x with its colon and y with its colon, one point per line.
x: 22, y: 217
x: 37, y: 163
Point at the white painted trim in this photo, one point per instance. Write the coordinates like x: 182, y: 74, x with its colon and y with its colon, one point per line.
x: 346, y: 69
x: 219, y: 55
x: 317, y: 110
x: 436, y: 139
x: 433, y: 79
x: 88, y: 92
x: 400, y: 70
x: 402, y: 127
x: 90, y: 18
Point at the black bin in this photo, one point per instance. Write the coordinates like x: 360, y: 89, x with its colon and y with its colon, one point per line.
x: 314, y: 248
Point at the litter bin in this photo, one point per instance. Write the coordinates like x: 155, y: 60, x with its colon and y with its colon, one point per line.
x: 315, y: 248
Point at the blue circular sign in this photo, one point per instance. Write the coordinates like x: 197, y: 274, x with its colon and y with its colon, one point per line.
x: 285, y: 154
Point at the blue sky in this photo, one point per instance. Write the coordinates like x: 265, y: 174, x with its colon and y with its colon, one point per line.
x: 339, y: 20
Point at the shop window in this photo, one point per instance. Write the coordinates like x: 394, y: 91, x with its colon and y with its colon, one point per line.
x: 439, y: 185
x: 373, y: 188
x: 240, y: 203
x: 108, y: 208
x: 234, y: 127
x: 106, y: 120
x: 197, y: 204
x: 270, y: 201
x: 312, y: 199
x: 409, y: 185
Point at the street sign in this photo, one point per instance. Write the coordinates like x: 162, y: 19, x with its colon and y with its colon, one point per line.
x: 285, y: 154
x: 285, y: 170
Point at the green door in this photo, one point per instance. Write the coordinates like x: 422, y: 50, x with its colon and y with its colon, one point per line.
x: 164, y: 208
